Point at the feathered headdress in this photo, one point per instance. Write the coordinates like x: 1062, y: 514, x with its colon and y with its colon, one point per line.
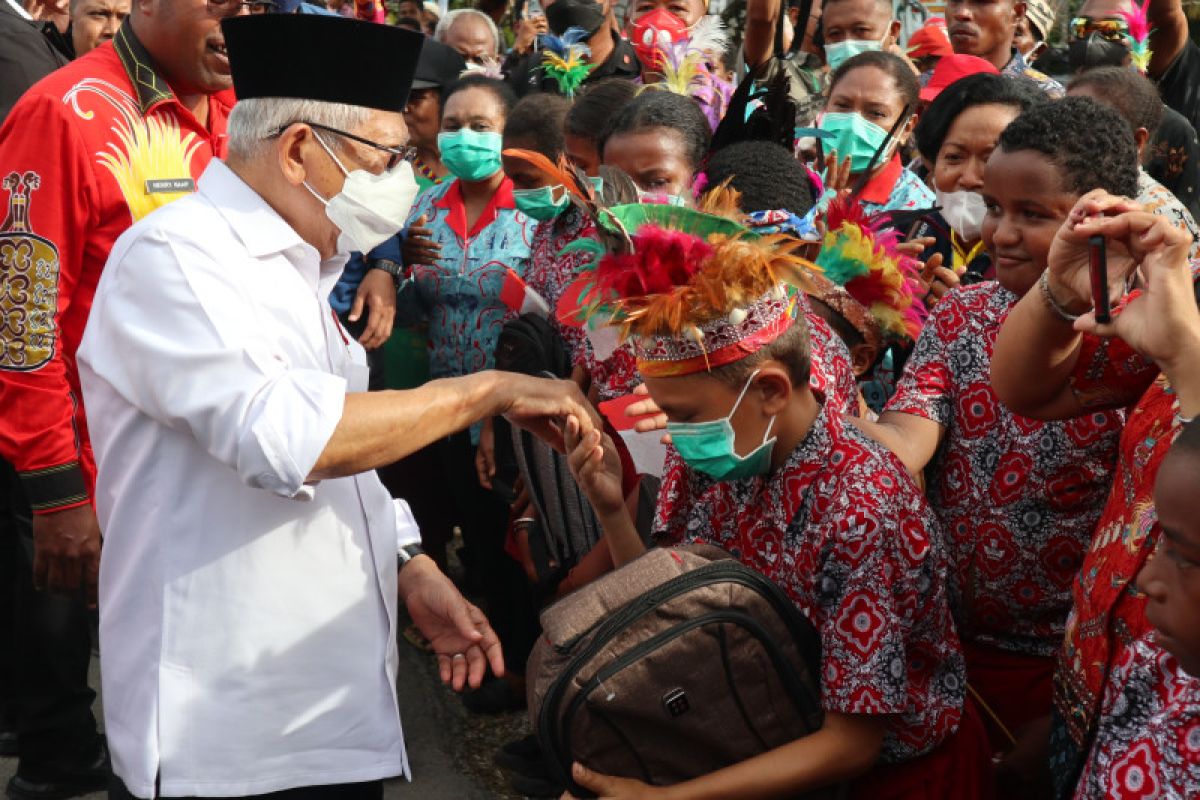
x: 563, y: 59
x: 695, y: 291
x: 860, y: 255
x: 1139, y: 35
x: 682, y: 67
x: 489, y: 67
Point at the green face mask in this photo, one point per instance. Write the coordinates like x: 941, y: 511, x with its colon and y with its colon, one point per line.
x: 470, y: 155
x: 708, y: 447
x: 838, y: 53
x: 541, y: 204
x: 853, y: 136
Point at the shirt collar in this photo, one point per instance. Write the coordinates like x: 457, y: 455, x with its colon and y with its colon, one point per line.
x: 452, y: 201
x: 20, y: 9
x: 260, y: 228
x: 148, y: 83
x: 879, y: 189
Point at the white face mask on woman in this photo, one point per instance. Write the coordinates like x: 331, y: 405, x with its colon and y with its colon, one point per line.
x: 964, y: 212
x: 369, y: 208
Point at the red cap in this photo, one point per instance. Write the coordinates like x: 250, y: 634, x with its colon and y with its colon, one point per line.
x: 952, y: 68
x: 930, y: 40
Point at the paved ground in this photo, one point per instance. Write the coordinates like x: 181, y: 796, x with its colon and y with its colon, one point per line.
x: 449, y: 750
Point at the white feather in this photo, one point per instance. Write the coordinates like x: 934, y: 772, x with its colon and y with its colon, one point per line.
x: 709, y: 37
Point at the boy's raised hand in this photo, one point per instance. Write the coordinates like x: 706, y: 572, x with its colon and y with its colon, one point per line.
x: 596, y: 466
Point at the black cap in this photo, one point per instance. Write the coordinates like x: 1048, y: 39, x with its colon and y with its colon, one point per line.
x: 319, y: 57
x: 563, y: 15
x: 439, y: 66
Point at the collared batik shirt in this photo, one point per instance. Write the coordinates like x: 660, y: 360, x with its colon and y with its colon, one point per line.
x: 1148, y: 743
x: 1018, y: 498
x: 842, y: 528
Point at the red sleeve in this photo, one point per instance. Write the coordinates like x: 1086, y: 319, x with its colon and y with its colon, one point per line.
x: 51, y: 196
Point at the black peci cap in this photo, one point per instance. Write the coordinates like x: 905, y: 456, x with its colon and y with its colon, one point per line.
x: 439, y: 66
x: 566, y: 14
x: 319, y: 57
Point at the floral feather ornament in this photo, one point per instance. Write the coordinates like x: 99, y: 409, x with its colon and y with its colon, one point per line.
x: 696, y: 291
x: 1139, y: 35
x: 682, y: 67
x: 564, y: 59
x: 860, y: 256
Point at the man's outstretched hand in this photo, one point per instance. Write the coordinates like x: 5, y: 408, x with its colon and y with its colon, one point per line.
x: 459, y: 633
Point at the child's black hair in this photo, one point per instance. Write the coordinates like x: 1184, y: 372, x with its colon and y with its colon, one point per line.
x: 766, y: 174
x: 597, y: 104
x: 1088, y: 141
x: 982, y: 89
x: 659, y: 109
x: 536, y: 123
x: 1133, y: 95
x: 791, y: 349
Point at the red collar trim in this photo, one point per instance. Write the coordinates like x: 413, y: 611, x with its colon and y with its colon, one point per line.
x: 452, y: 201
x: 879, y: 189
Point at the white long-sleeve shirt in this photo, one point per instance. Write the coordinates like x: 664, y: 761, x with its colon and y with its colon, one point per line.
x: 247, y: 619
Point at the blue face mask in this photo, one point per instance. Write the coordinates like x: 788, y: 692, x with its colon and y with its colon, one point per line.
x: 542, y: 204
x: 708, y: 447
x: 837, y: 53
x: 469, y: 154
x: 853, y: 136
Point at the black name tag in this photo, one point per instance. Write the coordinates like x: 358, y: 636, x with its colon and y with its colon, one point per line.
x: 170, y: 185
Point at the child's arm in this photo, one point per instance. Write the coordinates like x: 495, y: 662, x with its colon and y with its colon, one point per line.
x: 913, y: 439
x: 597, y: 468
x: 846, y: 746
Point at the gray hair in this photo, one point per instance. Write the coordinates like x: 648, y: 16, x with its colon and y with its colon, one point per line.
x: 444, y: 24
x: 253, y: 121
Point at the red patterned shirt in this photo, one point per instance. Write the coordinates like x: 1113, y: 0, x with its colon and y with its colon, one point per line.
x: 86, y: 151
x: 1148, y: 742
x: 842, y: 528
x: 1109, y: 611
x: 1017, y: 497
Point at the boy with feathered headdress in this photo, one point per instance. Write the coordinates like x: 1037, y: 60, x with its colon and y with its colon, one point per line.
x: 758, y: 466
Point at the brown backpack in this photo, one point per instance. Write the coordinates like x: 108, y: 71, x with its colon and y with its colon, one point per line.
x: 680, y: 663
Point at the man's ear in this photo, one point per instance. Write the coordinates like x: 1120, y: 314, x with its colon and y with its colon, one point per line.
x: 289, y: 150
x: 894, y: 30
x: 1141, y: 137
x: 774, y: 385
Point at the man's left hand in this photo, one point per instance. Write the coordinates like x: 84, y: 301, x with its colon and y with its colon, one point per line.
x: 458, y: 631
x: 377, y: 293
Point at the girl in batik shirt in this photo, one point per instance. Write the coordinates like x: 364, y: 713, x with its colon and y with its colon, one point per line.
x: 1018, y: 498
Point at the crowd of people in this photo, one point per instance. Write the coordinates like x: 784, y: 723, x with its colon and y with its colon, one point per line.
x: 331, y: 328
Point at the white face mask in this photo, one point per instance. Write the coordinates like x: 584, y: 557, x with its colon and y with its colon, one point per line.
x: 370, y: 208
x: 964, y: 212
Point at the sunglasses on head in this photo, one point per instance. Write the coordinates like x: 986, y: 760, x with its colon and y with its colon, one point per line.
x: 1111, y: 28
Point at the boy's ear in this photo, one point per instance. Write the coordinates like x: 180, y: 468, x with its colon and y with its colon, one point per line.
x: 774, y: 385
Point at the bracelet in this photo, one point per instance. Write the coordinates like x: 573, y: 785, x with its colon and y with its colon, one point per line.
x: 1183, y: 421
x: 524, y: 522
x: 1051, y: 302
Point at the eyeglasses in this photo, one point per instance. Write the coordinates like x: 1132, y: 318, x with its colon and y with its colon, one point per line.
x: 1111, y: 28
x: 231, y: 8
x: 395, y: 154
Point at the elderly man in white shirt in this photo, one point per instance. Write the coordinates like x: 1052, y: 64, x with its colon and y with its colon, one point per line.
x: 249, y: 576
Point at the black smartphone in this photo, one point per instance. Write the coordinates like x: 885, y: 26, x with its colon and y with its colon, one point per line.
x: 1098, y: 266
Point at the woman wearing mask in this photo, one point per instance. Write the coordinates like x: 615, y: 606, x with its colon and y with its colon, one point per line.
x: 464, y: 237
x: 956, y: 135
x: 867, y: 119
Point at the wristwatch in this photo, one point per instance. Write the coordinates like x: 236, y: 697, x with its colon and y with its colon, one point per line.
x: 408, y: 553
x: 390, y: 267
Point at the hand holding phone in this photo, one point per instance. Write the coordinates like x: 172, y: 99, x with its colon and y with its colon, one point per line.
x: 1098, y: 268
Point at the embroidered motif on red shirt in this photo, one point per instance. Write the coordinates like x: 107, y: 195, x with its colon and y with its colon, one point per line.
x: 1148, y: 742
x: 1018, y: 498
x: 845, y: 532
